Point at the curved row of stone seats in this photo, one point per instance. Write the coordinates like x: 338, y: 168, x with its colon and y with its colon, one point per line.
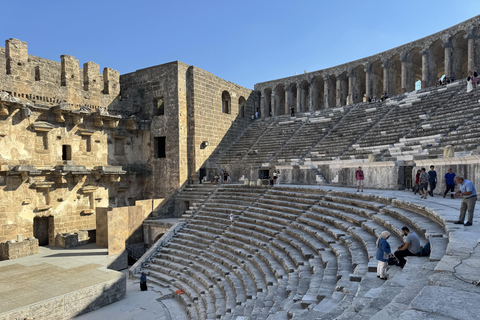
x: 405, y: 116
x: 241, y: 146
x: 354, y: 124
x: 274, y: 138
x: 290, y: 250
x: 196, y: 192
x: 317, y: 126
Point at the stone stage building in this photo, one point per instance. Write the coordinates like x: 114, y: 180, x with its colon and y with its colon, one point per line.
x: 87, y: 156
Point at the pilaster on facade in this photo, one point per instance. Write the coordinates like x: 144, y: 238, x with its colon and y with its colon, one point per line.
x: 386, y: 74
x: 404, y: 71
x: 368, y: 79
x: 425, y: 53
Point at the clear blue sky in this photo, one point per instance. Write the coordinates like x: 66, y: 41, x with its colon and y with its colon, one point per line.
x: 241, y: 41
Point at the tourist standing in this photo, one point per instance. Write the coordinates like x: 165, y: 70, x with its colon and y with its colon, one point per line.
x: 475, y: 79
x: 143, y: 282
x: 256, y: 114
x: 417, y: 183
x: 232, y: 218
x: 225, y: 177
x: 278, y: 177
x: 432, y: 179
x: 469, y: 84
x: 360, y: 177
x: 292, y: 111
x: 423, y: 183
x: 275, y: 176
x: 383, y: 254
x: 469, y: 194
x: 449, y: 181
x: 411, y: 247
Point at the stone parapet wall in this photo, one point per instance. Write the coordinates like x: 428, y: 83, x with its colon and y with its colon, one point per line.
x: 13, y: 250
x: 39, y: 80
x: 74, y: 303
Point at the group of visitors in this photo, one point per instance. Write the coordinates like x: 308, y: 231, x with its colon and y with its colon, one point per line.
x: 274, y: 178
x: 410, y: 247
x: 255, y: 115
x: 446, y: 80
x: 467, y: 190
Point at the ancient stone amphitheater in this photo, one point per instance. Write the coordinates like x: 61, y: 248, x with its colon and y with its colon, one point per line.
x: 308, y: 252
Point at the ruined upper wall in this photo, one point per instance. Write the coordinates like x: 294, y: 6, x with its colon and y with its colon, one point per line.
x: 38, y: 80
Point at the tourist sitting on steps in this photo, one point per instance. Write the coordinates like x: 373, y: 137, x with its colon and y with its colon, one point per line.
x: 383, y: 255
x: 411, y: 247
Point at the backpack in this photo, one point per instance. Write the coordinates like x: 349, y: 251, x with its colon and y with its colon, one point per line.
x: 425, y: 252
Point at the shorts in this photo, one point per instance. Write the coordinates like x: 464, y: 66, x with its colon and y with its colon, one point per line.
x: 360, y: 183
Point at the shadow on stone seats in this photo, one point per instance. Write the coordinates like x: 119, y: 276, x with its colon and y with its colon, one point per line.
x: 75, y: 254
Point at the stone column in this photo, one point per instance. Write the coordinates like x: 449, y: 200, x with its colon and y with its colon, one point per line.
x: 403, y: 60
x: 273, y: 104
x: 448, y: 58
x: 299, y: 97
x: 287, y: 102
x: 386, y: 79
x: 368, y: 79
x: 338, y: 93
x: 425, y: 80
x: 311, y: 96
x: 326, y: 95
x: 471, y: 54
x: 263, y: 106
x: 351, y: 87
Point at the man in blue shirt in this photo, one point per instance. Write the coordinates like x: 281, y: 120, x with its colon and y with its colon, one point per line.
x: 432, y: 179
x: 469, y: 194
x: 450, y: 183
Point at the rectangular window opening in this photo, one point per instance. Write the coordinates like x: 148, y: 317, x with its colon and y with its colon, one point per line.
x: 88, y: 143
x: 160, y: 151
x: 160, y: 106
x: 66, y: 152
x: 119, y: 147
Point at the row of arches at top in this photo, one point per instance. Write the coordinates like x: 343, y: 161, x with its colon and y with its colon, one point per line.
x: 395, y: 75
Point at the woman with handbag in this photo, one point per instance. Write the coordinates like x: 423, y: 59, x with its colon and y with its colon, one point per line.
x: 383, y: 254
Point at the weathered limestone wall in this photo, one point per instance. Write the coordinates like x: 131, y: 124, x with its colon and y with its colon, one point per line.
x: 209, y: 127
x: 39, y: 80
x: 140, y: 91
x: 13, y: 250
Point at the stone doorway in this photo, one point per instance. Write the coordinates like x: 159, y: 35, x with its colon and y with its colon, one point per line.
x: 263, y: 174
x: 408, y: 181
x: 41, y: 229
x: 203, y: 173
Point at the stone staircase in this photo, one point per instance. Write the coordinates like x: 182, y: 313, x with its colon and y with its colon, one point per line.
x: 293, y: 252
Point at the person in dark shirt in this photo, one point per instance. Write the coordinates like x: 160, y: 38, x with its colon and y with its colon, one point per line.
x: 449, y: 183
x: 432, y: 179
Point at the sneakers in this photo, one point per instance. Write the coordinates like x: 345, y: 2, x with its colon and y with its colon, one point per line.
x: 467, y: 224
x: 459, y: 222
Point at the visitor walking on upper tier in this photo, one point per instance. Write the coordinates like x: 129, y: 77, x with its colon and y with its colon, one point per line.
x: 452, y: 78
x: 469, y: 84
x: 256, y: 114
x: 411, y: 247
x: 475, y: 79
x: 469, y: 194
x: 449, y: 181
x: 432, y: 179
x: 275, y: 176
x: 423, y: 183
x: 292, y: 111
x: 360, y: 177
x: 253, y: 116
x: 278, y: 177
x: 383, y: 254
x: 417, y: 183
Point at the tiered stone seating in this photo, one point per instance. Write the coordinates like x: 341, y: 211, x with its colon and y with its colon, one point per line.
x: 317, y: 126
x: 462, y: 116
x: 353, y: 125
x: 403, y: 117
x: 292, y: 250
x: 273, y: 139
x: 240, y: 148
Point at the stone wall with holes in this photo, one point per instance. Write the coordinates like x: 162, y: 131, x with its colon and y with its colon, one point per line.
x: 155, y: 92
x: 47, y: 82
x: 214, y: 123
